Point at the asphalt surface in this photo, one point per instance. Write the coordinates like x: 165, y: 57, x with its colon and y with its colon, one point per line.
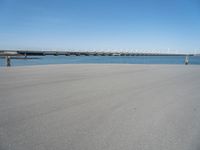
x: 100, y: 107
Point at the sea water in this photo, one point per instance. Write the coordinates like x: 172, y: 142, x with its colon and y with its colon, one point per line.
x: 44, y: 60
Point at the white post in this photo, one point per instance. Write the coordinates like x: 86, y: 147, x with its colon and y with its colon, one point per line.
x: 186, y: 60
x: 8, y: 61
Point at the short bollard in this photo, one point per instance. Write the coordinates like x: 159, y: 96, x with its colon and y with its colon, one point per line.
x: 8, y: 61
x: 186, y: 60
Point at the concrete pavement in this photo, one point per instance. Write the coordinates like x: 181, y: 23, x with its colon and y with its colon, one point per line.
x: 100, y: 107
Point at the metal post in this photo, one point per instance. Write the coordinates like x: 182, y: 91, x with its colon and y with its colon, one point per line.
x: 8, y: 61
x: 186, y: 60
x: 25, y: 56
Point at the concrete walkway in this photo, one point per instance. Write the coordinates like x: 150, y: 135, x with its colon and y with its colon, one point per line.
x: 100, y: 107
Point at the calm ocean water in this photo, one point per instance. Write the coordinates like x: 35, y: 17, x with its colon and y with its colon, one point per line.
x: 43, y: 60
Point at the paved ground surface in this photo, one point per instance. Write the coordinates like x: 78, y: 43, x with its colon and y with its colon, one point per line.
x: 100, y: 107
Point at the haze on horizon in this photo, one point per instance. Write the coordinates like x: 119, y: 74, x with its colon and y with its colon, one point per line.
x: 106, y: 24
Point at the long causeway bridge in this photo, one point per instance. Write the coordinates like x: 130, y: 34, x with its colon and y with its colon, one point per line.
x: 8, y: 54
x: 81, y: 53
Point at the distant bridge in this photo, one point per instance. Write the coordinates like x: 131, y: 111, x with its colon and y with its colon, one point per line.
x: 81, y: 53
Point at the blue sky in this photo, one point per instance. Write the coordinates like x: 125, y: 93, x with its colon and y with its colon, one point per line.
x: 166, y: 25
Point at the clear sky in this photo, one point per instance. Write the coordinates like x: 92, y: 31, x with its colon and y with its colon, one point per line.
x: 100, y: 24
